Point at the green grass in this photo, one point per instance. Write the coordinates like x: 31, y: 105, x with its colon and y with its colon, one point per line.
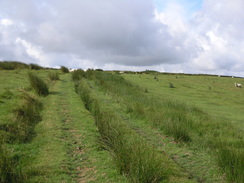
x: 133, y: 156
x: 38, y: 84
x: 223, y: 100
x: 65, y: 146
x: 11, y: 65
x: 53, y: 76
x: 64, y: 69
x: 220, y: 100
x: 128, y: 128
x: 183, y: 122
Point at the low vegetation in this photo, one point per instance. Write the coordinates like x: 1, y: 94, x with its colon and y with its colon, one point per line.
x: 9, y: 167
x: 64, y: 69
x: 38, y: 84
x: 11, y: 65
x: 184, y: 123
x: 133, y: 156
x: 100, y: 126
x: 53, y: 76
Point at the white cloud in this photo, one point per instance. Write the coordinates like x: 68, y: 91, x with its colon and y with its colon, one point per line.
x: 6, y: 22
x: 125, y: 34
x: 30, y: 49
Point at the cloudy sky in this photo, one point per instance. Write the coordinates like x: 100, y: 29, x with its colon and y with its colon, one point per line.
x: 190, y: 36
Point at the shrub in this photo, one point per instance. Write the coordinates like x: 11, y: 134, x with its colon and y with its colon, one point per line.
x: 78, y: 74
x: 11, y: 65
x: 38, y: 85
x: 64, y: 69
x: 99, y: 70
x: 53, y: 76
x: 35, y: 67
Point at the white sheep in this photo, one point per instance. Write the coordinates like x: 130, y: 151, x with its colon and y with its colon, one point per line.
x: 238, y: 85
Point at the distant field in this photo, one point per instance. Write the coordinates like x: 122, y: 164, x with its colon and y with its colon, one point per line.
x: 215, y: 95
x: 98, y: 126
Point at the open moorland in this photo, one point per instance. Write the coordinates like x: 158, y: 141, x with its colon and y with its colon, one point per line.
x: 111, y: 126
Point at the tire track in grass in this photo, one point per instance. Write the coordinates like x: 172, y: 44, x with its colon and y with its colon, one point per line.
x: 85, y: 162
x: 115, y: 110
x: 75, y: 149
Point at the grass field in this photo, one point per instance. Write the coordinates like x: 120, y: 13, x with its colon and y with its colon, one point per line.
x: 99, y: 126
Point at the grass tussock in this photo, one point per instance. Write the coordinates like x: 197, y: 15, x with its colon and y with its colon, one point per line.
x: 38, y: 84
x: 64, y: 69
x: 9, y: 167
x: 134, y: 157
x: 78, y: 74
x: 231, y: 161
x: 53, y: 76
x: 7, y: 94
x: 24, y: 118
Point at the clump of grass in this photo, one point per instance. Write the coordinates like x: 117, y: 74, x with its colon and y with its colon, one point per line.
x: 9, y: 168
x: 38, y: 85
x: 78, y: 74
x: 7, y: 94
x: 53, y: 76
x: 231, y: 161
x: 64, y: 69
x: 25, y: 117
x: 35, y: 67
x: 171, y: 85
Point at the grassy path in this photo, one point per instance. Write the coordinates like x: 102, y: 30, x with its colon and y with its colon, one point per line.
x: 66, y: 148
x: 87, y: 162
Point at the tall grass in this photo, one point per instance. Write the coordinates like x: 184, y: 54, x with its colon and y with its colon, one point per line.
x: 134, y: 157
x: 35, y: 67
x: 9, y: 167
x: 53, y: 76
x: 140, y: 105
x: 231, y: 161
x: 64, y: 69
x: 184, y: 123
x: 11, y: 65
x: 38, y: 84
x: 24, y: 118
x: 78, y: 74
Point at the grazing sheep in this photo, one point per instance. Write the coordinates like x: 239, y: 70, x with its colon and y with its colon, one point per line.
x: 238, y: 85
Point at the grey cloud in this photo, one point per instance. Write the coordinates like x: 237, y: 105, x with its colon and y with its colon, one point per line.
x: 109, y: 31
x: 122, y: 32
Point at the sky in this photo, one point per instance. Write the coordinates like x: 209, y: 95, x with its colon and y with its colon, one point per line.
x: 182, y: 36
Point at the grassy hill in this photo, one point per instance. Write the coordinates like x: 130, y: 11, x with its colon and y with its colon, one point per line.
x: 98, y: 126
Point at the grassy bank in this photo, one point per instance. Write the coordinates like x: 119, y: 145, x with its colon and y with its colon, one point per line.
x: 184, y: 123
x: 127, y: 128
